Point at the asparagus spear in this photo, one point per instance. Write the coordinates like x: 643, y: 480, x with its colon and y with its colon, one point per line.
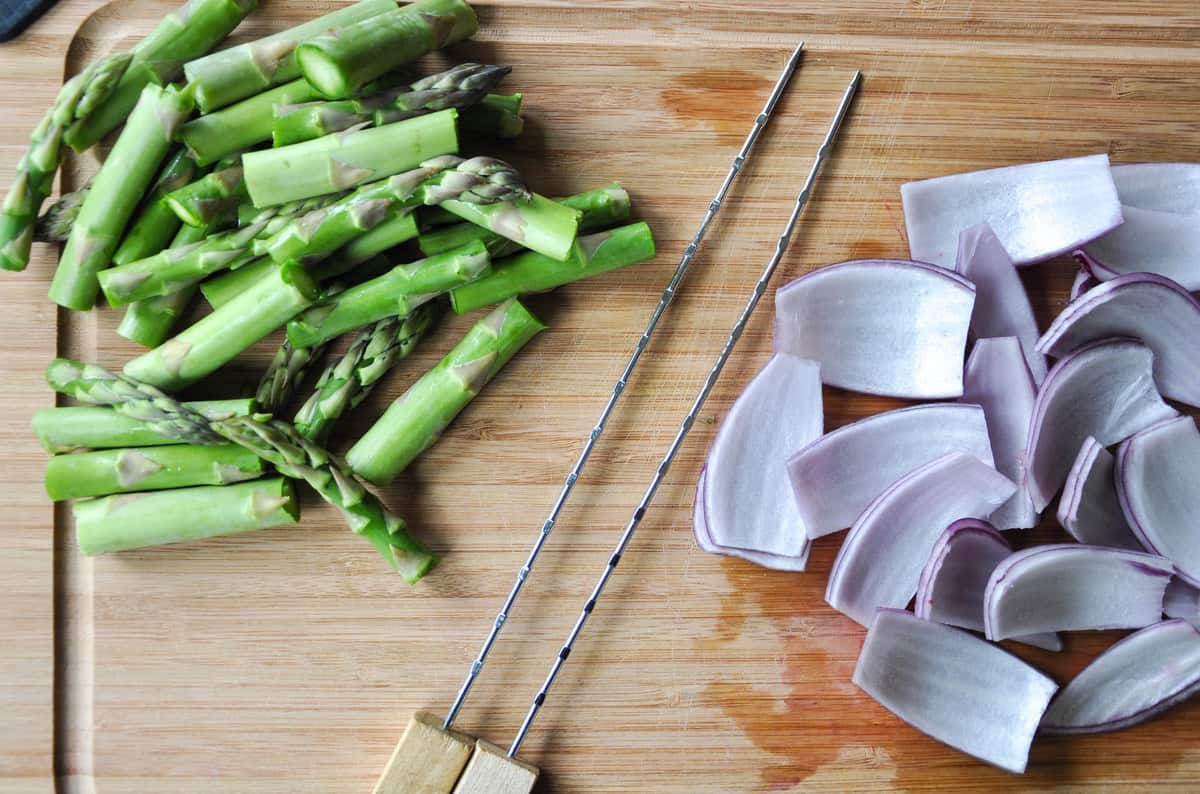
x: 539, y: 224
x: 397, y: 292
x: 100, y: 427
x: 414, y: 422
x: 156, y: 224
x: 274, y: 441
x: 531, y: 272
x: 213, y: 341
x: 132, y: 521
x: 189, y: 32
x: 497, y: 115
x: 203, y: 201
x: 174, y: 269
x: 149, y: 322
x: 55, y: 224
x: 600, y: 207
x: 356, y: 255
x: 458, y: 87
x: 347, y: 382
x: 35, y: 173
x: 116, y: 191
x: 112, y: 471
x: 337, y: 162
x: 241, y: 126
x: 284, y: 374
x: 318, y: 234
x: 238, y: 72
x: 340, y: 61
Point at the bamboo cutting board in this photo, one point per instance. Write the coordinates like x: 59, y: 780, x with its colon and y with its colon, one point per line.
x: 289, y: 660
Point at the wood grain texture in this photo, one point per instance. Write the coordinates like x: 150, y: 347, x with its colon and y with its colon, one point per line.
x: 290, y: 661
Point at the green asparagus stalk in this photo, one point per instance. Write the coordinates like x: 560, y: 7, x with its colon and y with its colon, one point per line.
x: 149, y: 322
x: 213, y: 341
x: 156, y: 225
x: 274, y: 441
x: 202, y: 201
x: 337, y: 162
x: 176, y: 268
x: 55, y: 224
x: 133, y: 521
x: 459, y: 87
x: 243, y: 125
x: 189, y: 32
x: 112, y: 471
x: 397, y: 292
x: 600, y: 207
x: 431, y: 217
x: 398, y: 228
x: 284, y: 375
x: 415, y: 421
x: 318, y: 234
x: 539, y: 224
x: 100, y: 427
x: 347, y: 382
x: 340, y: 61
x: 497, y: 116
x: 35, y: 173
x: 224, y: 77
x: 223, y: 288
x: 531, y: 272
x: 115, y: 194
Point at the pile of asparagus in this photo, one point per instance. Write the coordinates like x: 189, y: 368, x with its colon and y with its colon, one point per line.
x: 304, y: 181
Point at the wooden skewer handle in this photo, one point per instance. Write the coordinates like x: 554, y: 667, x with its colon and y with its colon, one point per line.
x: 490, y: 771
x: 427, y: 760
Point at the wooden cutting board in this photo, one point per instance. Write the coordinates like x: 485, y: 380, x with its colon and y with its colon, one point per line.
x: 289, y: 660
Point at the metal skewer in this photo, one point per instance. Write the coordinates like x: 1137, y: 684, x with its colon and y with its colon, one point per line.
x: 760, y: 122
x: 734, y: 334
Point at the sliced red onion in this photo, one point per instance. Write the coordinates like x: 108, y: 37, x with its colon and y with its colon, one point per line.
x: 998, y: 379
x: 880, y: 563
x: 1158, y: 485
x: 705, y: 541
x: 1069, y: 587
x: 1089, y: 509
x: 955, y: 577
x: 1142, y: 675
x: 1084, y: 281
x: 748, y: 499
x: 880, y: 326
x: 954, y: 687
x: 1038, y: 210
x: 1141, y: 305
x: 1104, y: 390
x: 1001, y: 305
x: 835, y: 477
x: 1151, y: 241
x: 1182, y: 600
x: 1164, y: 187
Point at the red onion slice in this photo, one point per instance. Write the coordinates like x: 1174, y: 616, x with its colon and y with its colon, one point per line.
x: 1089, y: 509
x: 1141, y: 305
x: 1151, y: 241
x: 955, y: 578
x: 998, y: 379
x: 704, y: 540
x: 835, y: 477
x: 1158, y: 484
x: 954, y: 687
x: 1104, y: 390
x: 1001, y: 306
x: 880, y: 563
x: 1069, y: 587
x: 1084, y: 281
x: 1142, y: 675
x: 748, y: 499
x: 1164, y: 187
x: 880, y: 326
x: 1038, y: 210
x: 1182, y: 600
